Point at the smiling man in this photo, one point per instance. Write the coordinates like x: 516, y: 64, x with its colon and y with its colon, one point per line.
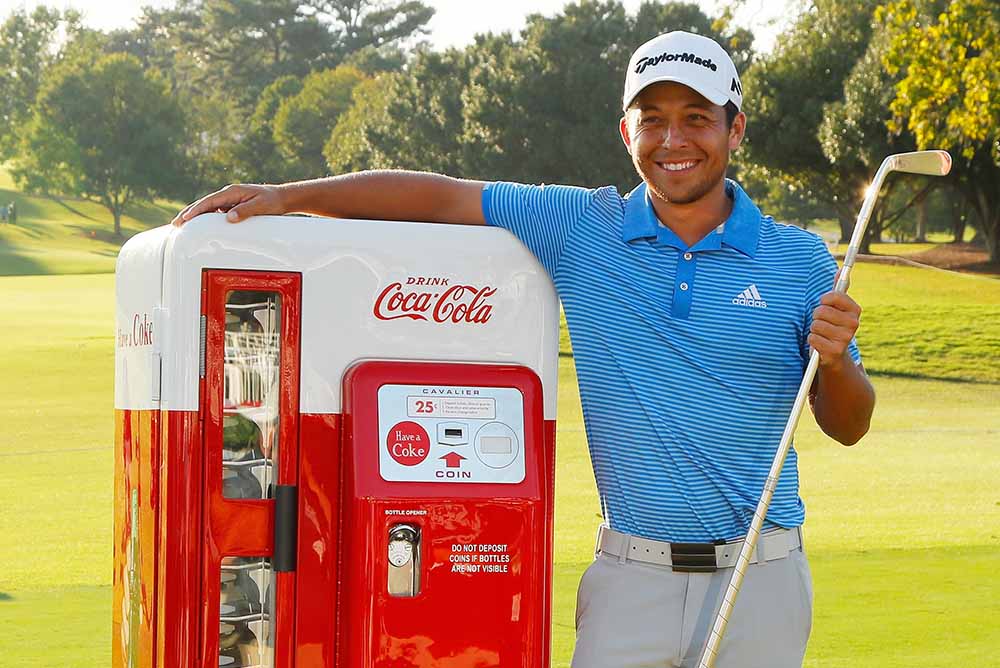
x: 691, y: 316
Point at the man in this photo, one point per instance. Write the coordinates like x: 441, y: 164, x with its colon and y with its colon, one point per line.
x: 691, y: 317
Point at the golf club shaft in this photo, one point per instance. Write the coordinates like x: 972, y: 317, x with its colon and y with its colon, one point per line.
x: 891, y: 163
x: 753, y: 533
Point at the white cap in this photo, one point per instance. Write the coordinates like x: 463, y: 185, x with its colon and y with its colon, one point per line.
x: 693, y: 60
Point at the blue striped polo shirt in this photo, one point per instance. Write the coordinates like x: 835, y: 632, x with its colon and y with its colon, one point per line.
x: 688, y: 358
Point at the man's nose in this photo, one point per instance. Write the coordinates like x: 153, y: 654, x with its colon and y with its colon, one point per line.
x: 673, y: 136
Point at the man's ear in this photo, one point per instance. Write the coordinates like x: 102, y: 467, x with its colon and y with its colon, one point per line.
x: 737, y: 131
x: 623, y: 129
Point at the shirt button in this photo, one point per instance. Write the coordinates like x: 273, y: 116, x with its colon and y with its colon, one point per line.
x: 688, y: 256
x: 684, y: 286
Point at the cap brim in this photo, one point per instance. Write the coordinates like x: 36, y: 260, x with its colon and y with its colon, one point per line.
x: 713, y: 95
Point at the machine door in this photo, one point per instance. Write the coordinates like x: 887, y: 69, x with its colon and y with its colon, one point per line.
x: 249, y: 412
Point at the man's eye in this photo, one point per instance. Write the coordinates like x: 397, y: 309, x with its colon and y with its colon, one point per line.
x: 648, y: 120
x: 698, y: 117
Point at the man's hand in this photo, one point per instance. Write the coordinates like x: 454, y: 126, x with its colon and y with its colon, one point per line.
x: 835, y: 321
x: 842, y: 398
x: 238, y: 202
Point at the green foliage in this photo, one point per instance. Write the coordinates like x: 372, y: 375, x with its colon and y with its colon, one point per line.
x: 106, y: 129
x: 359, y: 24
x: 303, y: 122
x: 246, y: 44
x: 947, y: 95
x: 787, y: 94
x: 411, y: 120
x: 348, y: 148
x: 256, y: 156
x: 541, y: 108
x: 26, y: 50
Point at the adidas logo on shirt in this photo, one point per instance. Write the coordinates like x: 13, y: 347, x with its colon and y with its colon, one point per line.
x: 750, y: 297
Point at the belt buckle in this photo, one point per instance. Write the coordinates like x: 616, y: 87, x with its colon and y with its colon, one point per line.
x: 693, y: 558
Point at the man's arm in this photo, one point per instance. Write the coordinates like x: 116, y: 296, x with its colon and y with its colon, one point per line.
x: 378, y: 195
x: 842, y: 399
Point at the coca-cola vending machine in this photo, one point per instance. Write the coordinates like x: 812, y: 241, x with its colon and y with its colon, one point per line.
x: 334, y: 446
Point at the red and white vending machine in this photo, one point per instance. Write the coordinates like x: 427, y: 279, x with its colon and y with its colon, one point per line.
x: 334, y: 447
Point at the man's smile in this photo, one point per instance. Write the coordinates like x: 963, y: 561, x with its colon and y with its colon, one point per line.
x: 677, y: 165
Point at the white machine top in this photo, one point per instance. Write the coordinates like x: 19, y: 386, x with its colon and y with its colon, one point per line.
x: 346, y: 265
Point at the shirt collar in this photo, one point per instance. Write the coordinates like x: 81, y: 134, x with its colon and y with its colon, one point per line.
x: 740, y: 231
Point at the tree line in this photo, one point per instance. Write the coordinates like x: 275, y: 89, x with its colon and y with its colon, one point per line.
x: 207, y: 92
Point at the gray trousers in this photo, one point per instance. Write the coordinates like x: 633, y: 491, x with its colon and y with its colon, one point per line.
x: 635, y: 615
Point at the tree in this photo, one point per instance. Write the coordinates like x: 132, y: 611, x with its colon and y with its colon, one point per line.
x: 27, y: 48
x: 855, y: 136
x: 360, y: 24
x: 547, y: 108
x: 544, y: 107
x: 414, y: 122
x: 948, y: 92
x: 256, y: 157
x: 304, y: 122
x: 246, y: 44
x: 106, y: 129
x: 787, y: 94
x: 349, y: 149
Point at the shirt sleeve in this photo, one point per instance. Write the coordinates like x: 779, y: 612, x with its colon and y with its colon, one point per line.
x: 542, y: 217
x: 822, y: 273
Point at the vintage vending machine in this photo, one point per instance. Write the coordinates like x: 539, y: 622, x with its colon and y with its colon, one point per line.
x: 334, y: 447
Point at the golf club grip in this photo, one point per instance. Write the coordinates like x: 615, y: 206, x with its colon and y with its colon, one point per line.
x: 714, y: 639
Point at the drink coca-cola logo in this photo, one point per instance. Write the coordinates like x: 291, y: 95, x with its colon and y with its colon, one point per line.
x: 434, y: 299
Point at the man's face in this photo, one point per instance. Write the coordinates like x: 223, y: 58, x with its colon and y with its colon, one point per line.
x: 679, y: 141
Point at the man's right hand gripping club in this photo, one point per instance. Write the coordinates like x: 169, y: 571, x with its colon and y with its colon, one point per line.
x: 377, y: 195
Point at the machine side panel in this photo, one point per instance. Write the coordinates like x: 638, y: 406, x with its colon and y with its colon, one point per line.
x: 179, y: 541
x: 136, y: 508
x: 138, y: 276
x: 319, y: 512
x: 550, y: 514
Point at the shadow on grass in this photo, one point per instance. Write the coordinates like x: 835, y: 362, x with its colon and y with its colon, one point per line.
x: 103, y: 234
x: 961, y: 380
x: 33, y: 230
x: 75, y: 212
x: 4, y: 596
x: 158, y: 214
x: 14, y: 263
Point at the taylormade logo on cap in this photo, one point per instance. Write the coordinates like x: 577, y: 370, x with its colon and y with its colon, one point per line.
x: 670, y: 57
x: 693, y: 60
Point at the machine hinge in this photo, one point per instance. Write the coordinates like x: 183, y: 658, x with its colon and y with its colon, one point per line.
x: 286, y: 529
x: 201, y: 346
x: 156, y: 360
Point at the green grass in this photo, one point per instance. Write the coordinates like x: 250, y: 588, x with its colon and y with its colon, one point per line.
x: 67, y: 235
x: 903, y: 530
x: 928, y: 323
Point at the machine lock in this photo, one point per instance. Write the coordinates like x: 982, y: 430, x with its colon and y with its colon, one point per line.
x: 404, y: 560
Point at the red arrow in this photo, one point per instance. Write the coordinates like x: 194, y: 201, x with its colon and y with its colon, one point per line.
x: 453, y: 460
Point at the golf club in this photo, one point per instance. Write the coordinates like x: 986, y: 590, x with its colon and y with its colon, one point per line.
x: 931, y: 163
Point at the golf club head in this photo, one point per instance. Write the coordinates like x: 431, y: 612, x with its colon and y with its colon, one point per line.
x: 931, y: 163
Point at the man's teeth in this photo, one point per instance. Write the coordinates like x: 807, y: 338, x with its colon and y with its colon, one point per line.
x: 677, y: 166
